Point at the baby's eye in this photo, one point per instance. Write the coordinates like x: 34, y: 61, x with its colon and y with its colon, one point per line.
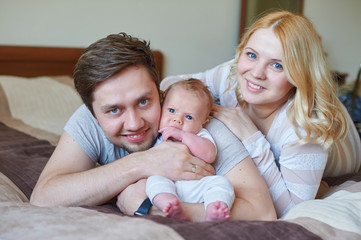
x: 278, y: 66
x: 189, y: 117
x: 251, y: 55
x: 143, y: 102
x: 114, y: 111
x: 171, y: 110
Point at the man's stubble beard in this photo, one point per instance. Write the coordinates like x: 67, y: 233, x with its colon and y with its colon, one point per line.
x: 137, y: 147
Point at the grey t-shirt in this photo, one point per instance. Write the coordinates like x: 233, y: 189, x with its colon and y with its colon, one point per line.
x: 86, y: 131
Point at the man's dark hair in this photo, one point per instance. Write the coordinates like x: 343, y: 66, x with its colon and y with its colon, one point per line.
x: 109, y: 56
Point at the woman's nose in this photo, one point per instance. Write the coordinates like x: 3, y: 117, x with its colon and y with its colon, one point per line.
x: 259, y: 71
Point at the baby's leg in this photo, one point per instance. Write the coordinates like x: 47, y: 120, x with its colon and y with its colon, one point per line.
x: 217, y: 211
x: 170, y: 206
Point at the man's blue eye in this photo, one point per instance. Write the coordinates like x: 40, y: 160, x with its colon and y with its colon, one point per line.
x: 189, y: 117
x: 171, y: 110
x: 114, y: 111
x: 143, y: 102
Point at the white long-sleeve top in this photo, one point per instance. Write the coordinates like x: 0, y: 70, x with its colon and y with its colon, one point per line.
x: 292, y: 171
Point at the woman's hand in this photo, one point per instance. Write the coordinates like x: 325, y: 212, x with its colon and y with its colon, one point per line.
x: 236, y: 120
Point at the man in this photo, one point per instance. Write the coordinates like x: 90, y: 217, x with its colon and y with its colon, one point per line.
x: 116, y: 127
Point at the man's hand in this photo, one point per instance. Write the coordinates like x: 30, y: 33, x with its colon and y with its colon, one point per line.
x: 174, y: 161
x: 168, y: 159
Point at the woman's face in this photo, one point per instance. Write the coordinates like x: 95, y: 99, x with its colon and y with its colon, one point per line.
x: 261, y: 77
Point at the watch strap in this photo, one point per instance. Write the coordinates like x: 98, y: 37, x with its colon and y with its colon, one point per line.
x: 144, y: 207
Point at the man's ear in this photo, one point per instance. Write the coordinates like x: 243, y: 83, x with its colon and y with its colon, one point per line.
x: 162, y: 95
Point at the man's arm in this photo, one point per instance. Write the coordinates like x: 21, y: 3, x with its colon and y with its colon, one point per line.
x: 70, y: 177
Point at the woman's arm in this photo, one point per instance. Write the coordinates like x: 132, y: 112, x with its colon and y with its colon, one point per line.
x: 252, y: 198
x: 233, y: 162
x: 296, y: 176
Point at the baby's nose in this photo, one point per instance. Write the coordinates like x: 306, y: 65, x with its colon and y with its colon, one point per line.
x: 177, y: 121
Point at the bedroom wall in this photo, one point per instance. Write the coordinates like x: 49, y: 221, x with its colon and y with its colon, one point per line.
x: 193, y: 35
x: 338, y: 23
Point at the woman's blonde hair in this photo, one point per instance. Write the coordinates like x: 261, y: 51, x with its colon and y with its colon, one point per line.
x: 314, y: 105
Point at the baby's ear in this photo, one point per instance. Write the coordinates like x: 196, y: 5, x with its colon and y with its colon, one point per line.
x: 206, y: 122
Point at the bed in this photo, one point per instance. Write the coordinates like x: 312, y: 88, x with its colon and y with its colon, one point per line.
x: 37, y: 97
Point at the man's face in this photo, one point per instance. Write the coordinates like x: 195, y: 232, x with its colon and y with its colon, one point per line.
x: 127, y: 107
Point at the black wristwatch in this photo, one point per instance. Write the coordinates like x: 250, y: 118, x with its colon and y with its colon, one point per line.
x: 144, y: 207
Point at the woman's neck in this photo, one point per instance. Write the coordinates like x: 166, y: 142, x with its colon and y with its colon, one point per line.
x: 263, y: 115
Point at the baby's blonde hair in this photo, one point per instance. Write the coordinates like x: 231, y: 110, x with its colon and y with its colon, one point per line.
x: 197, y: 87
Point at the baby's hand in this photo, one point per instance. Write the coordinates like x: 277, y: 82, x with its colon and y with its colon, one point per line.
x: 171, y: 133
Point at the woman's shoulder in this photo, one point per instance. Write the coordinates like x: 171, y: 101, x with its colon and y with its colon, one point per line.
x: 282, y: 129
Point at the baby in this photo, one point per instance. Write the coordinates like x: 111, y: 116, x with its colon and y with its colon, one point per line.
x: 185, y: 112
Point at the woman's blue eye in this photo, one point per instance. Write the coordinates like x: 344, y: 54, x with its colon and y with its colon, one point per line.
x: 251, y: 55
x: 114, y: 111
x: 278, y: 66
x: 171, y: 110
x: 189, y: 117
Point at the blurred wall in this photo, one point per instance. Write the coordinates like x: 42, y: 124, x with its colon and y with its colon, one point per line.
x: 339, y: 25
x: 193, y: 35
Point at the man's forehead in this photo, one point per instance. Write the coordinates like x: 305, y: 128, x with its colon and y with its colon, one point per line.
x: 126, y: 88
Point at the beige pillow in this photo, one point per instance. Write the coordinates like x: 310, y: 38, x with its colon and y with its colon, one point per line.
x: 38, y: 106
x: 9, y: 191
x: 24, y: 221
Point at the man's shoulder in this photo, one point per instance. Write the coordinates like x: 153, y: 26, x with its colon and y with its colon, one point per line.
x: 82, y: 122
x: 82, y: 114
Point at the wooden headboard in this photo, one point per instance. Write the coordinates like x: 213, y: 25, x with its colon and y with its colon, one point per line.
x: 28, y: 61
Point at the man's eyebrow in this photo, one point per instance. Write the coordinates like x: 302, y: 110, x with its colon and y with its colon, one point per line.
x: 145, y: 95
x: 108, y: 107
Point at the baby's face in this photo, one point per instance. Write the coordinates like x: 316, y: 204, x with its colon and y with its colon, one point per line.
x: 184, y: 110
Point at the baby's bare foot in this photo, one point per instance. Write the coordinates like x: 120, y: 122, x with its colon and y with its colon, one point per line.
x: 217, y: 211
x: 175, y: 210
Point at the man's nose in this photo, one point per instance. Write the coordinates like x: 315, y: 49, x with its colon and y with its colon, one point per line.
x: 133, y: 121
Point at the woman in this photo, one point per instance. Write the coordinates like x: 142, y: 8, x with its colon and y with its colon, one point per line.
x: 278, y: 97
